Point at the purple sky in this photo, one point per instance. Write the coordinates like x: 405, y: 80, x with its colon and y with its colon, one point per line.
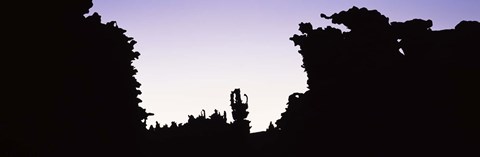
x: 194, y: 52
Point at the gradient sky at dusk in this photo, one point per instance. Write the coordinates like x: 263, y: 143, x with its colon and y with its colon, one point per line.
x: 194, y: 52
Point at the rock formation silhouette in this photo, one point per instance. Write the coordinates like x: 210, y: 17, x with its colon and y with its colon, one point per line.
x: 211, y: 136
x: 77, y: 95
x: 366, y: 98
x: 380, y: 88
x: 239, y: 112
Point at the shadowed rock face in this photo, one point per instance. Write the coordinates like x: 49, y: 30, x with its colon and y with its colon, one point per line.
x: 368, y: 99
x: 78, y: 93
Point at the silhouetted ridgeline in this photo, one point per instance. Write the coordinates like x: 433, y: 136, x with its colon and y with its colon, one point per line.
x: 204, y: 136
x: 380, y: 89
x: 76, y: 94
x: 368, y: 99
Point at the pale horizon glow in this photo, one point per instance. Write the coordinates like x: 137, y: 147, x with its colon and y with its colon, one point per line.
x: 193, y: 53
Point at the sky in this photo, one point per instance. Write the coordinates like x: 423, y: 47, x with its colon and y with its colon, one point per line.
x: 195, y: 52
